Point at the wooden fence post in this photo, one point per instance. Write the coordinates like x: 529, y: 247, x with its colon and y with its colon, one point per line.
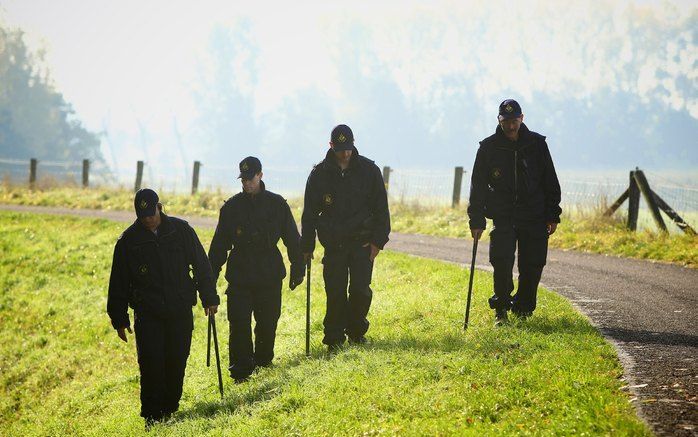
x: 32, y: 172
x: 649, y: 198
x: 195, y: 177
x: 85, y: 173
x: 609, y: 212
x: 633, y: 202
x: 457, y: 183
x: 139, y: 175
x: 386, y: 176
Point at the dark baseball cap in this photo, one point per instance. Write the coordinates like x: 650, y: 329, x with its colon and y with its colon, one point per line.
x: 249, y: 167
x: 509, y: 108
x: 145, y: 202
x: 342, y: 138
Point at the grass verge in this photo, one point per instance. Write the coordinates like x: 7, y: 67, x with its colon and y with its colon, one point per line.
x: 64, y: 371
x: 580, y: 230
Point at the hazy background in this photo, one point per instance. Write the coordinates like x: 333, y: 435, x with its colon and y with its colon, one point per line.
x: 612, y: 84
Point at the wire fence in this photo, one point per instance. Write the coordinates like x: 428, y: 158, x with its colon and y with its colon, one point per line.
x: 434, y: 187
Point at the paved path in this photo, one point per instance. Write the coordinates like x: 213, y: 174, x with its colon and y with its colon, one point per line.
x: 646, y: 309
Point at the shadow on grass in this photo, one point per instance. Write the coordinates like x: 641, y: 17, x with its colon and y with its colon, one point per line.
x: 254, y: 391
x: 264, y: 385
x: 450, y: 342
x: 268, y: 384
x: 557, y: 325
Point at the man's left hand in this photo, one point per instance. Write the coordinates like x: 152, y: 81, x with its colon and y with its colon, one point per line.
x: 295, y: 282
x: 374, y: 251
x: 551, y: 228
x: 213, y: 309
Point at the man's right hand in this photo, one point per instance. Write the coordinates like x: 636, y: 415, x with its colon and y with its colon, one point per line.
x: 307, y: 257
x: 122, y: 333
x: 477, y: 233
x: 295, y: 282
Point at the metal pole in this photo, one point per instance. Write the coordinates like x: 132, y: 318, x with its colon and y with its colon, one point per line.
x: 208, y: 345
x: 470, y: 285
x: 212, y: 319
x: 307, y: 312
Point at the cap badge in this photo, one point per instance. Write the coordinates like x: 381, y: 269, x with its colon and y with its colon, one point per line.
x: 508, y: 108
x: 327, y: 198
x: 341, y: 138
x: 244, y: 166
x: 143, y: 204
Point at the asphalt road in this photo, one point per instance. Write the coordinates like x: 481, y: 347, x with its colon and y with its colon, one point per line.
x: 647, y: 310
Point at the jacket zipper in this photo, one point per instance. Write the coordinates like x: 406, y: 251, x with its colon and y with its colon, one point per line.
x: 516, y: 189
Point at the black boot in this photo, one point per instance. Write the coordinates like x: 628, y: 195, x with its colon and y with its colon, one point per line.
x: 500, y: 317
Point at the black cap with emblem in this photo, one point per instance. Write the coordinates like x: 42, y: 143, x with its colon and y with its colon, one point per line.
x: 509, y: 108
x: 145, y: 202
x: 342, y: 138
x: 249, y: 167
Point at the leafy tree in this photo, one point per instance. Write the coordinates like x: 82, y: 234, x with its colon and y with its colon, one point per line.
x: 35, y: 119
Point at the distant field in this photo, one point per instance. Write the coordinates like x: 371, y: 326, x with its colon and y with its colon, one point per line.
x: 582, y: 230
x: 64, y: 372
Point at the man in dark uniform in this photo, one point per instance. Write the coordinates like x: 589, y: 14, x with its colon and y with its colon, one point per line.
x: 514, y: 183
x: 251, y: 223
x: 347, y: 205
x: 151, y: 274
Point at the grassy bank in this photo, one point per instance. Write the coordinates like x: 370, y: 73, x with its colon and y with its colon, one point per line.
x: 64, y: 372
x: 586, y: 231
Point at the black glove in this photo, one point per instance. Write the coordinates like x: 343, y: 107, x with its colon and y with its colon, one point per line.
x: 296, y: 276
x: 294, y: 282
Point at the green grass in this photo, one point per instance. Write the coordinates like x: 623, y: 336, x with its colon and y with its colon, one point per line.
x: 64, y: 371
x: 580, y: 230
x: 586, y: 231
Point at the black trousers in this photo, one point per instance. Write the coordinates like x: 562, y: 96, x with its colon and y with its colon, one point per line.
x: 532, y: 242
x: 346, y: 314
x: 163, y: 348
x: 244, y: 301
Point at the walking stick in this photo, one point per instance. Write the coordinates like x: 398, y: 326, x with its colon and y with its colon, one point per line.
x: 212, y: 327
x: 208, y: 347
x: 470, y: 284
x: 307, y: 312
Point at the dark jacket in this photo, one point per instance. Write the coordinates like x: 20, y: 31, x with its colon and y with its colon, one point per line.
x: 152, y: 272
x: 514, y: 181
x: 251, y: 226
x: 345, y: 207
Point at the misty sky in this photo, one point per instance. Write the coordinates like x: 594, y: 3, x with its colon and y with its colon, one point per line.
x: 612, y: 84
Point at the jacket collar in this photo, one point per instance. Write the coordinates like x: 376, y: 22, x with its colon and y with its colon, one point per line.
x: 142, y: 235
x: 262, y: 190
x: 331, y: 161
x: 524, y: 138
